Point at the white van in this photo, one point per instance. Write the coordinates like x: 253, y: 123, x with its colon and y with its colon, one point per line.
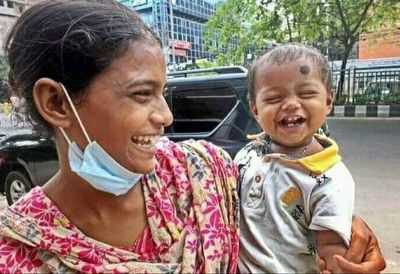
x: 383, y: 87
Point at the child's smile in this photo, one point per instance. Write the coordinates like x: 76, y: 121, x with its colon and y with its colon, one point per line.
x: 291, y: 121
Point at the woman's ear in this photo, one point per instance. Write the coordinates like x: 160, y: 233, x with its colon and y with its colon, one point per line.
x: 51, y: 103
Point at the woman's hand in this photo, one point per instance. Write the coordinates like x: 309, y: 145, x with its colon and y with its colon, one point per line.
x: 363, y: 255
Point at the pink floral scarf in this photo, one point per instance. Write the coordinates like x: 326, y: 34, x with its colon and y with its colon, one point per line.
x: 192, y: 209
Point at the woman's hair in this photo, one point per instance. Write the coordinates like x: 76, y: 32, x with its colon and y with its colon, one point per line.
x: 286, y: 54
x: 69, y: 41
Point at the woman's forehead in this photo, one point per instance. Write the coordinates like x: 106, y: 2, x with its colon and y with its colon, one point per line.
x: 144, y: 64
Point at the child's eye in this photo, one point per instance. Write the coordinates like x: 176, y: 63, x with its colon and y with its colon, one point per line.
x: 307, y: 94
x: 272, y: 99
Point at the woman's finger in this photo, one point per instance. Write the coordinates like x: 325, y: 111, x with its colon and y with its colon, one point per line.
x: 322, y: 265
x: 349, y: 267
x: 360, y: 238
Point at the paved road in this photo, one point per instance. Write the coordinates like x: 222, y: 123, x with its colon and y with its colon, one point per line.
x: 371, y: 149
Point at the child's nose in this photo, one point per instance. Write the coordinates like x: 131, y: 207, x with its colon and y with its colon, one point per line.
x: 291, y: 103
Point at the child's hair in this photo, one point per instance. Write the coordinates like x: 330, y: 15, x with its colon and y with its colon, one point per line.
x: 289, y: 53
x: 70, y: 41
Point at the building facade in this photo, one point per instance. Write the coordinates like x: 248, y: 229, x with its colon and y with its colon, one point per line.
x: 382, y: 44
x: 9, y: 12
x: 186, y: 38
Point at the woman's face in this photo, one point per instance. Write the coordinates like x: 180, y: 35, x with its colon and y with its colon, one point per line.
x: 124, y: 109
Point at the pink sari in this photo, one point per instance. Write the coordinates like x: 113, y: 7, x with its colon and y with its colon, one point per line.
x: 192, y: 209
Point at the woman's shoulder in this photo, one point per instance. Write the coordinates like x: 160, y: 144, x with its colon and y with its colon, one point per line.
x: 17, y: 257
x: 28, y: 231
x: 195, y: 148
x: 192, y: 159
x: 36, y: 205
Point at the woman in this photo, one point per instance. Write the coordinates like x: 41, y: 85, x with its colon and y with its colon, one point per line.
x: 93, y: 74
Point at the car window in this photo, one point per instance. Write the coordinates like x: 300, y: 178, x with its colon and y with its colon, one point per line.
x: 200, y: 109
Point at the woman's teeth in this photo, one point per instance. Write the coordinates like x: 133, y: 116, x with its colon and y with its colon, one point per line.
x: 145, y: 141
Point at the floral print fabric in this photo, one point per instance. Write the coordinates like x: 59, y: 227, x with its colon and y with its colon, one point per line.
x: 192, y: 209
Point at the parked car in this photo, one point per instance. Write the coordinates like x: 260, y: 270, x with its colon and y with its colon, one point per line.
x: 207, y: 104
x: 25, y: 161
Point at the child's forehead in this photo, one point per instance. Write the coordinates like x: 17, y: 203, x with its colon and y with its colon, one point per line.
x: 300, y: 66
x: 305, y: 65
x: 301, y: 71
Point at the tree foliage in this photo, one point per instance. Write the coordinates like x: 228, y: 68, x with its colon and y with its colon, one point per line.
x: 228, y: 30
x: 239, y: 26
x: 3, y: 79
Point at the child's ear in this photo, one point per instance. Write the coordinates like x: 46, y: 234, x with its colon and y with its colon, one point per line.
x: 253, y: 108
x: 329, y: 103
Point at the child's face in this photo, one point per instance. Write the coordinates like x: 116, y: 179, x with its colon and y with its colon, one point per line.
x: 291, y: 101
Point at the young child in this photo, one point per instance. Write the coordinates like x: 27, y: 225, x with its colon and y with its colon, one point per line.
x: 297, y: 196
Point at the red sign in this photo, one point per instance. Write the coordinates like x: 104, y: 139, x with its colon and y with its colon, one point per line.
x: 180, y: 52
x: 182, y: 44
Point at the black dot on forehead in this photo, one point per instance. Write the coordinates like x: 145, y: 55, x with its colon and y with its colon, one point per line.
x: 305, y: 70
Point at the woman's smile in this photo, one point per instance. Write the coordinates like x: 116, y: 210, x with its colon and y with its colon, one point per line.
x: 145, y: 142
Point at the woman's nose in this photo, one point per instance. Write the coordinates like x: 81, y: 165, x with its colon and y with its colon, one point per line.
x: 162, y: 114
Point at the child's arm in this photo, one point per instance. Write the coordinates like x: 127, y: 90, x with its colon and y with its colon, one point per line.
x: 329, y: 243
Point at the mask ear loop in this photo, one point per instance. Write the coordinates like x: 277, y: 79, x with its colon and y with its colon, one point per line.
x: 76, y: 115
x: 65, y: 135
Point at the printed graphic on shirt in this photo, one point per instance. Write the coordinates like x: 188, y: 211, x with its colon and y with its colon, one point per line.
x: 320, y: 179
x: 312, y: 249
x: 242, y: 167
x: 292, y: 194
x: 292, y: 202
x: 259, y: 146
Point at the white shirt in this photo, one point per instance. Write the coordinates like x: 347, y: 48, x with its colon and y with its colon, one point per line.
x: 283, y: 201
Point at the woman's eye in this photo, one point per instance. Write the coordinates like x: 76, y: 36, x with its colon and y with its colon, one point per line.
x: 141, y: 96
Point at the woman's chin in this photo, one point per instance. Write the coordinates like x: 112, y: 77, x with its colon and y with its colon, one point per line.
x: 144, y: 167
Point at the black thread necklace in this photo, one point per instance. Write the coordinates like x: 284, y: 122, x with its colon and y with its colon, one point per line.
x: 290, y: 156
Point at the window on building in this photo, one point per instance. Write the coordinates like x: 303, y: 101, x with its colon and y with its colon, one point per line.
x: 10, y: 4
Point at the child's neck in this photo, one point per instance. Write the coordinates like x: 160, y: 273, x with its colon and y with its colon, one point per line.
x: 310, y: 147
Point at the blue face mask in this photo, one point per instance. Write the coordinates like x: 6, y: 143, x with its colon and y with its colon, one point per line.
x: 96, y: 166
